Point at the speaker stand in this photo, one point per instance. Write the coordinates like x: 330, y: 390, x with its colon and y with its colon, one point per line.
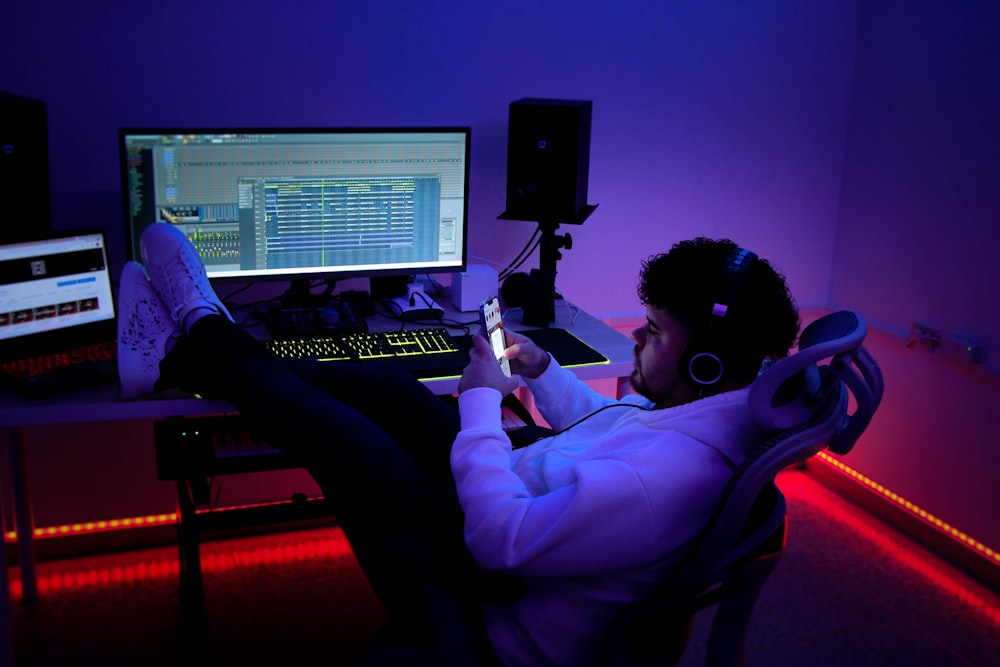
x: 550, y: 244
x: 539, y: 302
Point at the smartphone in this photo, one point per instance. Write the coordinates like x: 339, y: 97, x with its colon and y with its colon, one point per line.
x: 492, y: 328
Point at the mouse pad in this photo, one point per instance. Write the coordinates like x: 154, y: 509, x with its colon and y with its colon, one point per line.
x: 568, y: 350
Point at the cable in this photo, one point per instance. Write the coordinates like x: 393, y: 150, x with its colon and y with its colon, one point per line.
x: 522, y: 260
x: 519, y: 259
x: 601, y: 409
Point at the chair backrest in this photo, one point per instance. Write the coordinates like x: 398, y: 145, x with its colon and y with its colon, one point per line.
x: 803, y: 405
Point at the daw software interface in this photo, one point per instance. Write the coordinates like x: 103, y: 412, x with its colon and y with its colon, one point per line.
x: 303, y: 203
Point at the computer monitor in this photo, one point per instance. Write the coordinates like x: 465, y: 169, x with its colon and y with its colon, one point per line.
x: 303, y: 204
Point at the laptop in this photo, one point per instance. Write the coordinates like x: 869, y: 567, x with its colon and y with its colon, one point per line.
x: 57, y: 314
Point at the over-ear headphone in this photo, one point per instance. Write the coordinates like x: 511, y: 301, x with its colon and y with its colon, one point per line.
x: 703, y: 362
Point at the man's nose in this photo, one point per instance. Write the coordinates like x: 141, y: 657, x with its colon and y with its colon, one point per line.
x: 639, y: 335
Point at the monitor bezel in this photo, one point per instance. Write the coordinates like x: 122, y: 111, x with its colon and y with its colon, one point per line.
x: 332, y: 273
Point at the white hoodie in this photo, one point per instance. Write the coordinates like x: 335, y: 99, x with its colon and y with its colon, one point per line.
x: 593, y: 517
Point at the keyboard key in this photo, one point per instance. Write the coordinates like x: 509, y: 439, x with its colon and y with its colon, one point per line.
x: 93, y: 353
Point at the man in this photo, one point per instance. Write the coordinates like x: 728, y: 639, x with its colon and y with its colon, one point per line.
x: 583, y: 522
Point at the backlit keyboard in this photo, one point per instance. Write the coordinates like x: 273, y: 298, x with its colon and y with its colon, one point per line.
x: 360, y: 346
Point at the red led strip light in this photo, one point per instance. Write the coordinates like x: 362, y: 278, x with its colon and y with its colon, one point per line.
x: 938, y: 524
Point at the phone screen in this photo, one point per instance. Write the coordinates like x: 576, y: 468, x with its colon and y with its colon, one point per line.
x: 489, y: 316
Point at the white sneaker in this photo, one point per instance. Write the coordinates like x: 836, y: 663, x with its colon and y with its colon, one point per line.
x: 178, y: 275
x: 144, y: 327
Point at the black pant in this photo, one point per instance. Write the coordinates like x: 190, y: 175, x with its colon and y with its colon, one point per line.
x: 376, y: 441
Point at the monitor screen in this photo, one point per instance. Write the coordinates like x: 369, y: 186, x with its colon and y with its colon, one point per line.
x: 264, y: 204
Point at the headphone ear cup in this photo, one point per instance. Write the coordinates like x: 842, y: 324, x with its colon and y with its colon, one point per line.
x: 706, y: 369
x: 699, y: 365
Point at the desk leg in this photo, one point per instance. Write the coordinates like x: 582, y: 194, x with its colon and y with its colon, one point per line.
x: 24, y: 520
x: 192, y: 587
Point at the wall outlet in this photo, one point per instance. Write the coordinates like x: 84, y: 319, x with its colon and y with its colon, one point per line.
x: 925, y: 336
x: 938, y: 341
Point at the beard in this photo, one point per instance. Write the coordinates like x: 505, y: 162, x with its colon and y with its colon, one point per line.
x: 672, y: 393
x: 639, y: 386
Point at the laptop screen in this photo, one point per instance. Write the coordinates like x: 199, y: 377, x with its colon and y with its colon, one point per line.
x: 55, y: 284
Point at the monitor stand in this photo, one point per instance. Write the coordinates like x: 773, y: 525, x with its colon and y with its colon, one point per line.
x: 303, y: 312
x: 300, y: 295
x: 416, y: 307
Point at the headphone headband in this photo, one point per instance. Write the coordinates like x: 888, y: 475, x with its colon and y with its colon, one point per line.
x: 731, y: 280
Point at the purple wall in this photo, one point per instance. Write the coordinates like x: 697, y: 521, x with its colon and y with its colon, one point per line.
x: 848, y: 142
x: 705, y: 122
x: 917, y: 239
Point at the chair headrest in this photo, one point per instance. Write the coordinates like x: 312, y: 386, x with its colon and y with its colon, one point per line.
x: 792, y: 391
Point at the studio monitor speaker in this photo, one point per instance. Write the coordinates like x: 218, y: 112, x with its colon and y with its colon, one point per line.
x: 548, y: 160
x: 25, y: 190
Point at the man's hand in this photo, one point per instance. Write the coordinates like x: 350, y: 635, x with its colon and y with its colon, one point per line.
x: 483, y: 369
x: 526, y: 358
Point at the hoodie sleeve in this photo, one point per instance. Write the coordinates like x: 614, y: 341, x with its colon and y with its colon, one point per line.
x: 562, y: 398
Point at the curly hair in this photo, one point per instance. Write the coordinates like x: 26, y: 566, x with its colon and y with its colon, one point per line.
x: 763, y: 321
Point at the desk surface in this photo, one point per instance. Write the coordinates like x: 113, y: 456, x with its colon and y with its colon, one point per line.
x: 104, y: 404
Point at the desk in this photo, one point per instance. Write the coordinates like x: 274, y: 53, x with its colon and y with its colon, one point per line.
x: 102, y: 404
